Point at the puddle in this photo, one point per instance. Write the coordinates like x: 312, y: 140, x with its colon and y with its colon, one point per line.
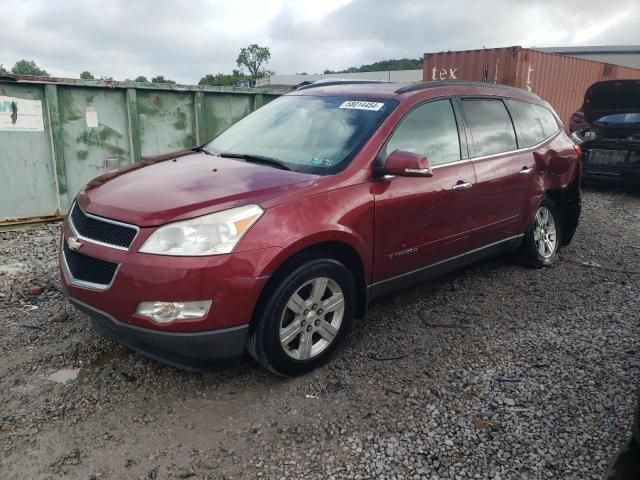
x: 67, y: 374
x: 64, y: 375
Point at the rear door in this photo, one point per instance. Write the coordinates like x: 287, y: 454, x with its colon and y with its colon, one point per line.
x: 504, y: 174
x: 535, y: 125
x: 420, y: 221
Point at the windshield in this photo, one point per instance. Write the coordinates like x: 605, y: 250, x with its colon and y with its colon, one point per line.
x: 309, y: 134
x: 619, y: 118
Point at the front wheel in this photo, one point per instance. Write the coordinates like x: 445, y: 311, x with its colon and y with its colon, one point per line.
x: 304, y: 318
x: 543, y: 237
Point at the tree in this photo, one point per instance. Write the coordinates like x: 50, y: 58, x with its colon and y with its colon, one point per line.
x: 86, y: 75
x: 161, y: 79
x: 3, y: 71
x: 219, y: 79
x: 141, y: 78
x: 252, y: 58
x: 393, y: 64
x: 28, y: 67
x: 385, y: 65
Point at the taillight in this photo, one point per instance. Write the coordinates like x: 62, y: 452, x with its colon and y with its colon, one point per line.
x: 578, y: 150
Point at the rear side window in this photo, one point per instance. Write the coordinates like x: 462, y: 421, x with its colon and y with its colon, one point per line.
x: 549, y: 123
x: 490, y: 125
x: 536, y: 122
x: 430, y: 130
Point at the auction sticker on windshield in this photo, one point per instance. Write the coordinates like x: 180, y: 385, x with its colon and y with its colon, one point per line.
x: 362, y: 105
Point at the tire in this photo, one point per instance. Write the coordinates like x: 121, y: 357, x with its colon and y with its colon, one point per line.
x: 535, y: 251
x: 289, y: 336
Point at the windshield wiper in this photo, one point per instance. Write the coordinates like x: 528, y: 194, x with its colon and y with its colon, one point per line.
x: 248, y: 157
x: 202, y: 149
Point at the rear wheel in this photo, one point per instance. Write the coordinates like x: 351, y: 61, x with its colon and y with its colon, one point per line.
x: 304, y: 319
x: 542, y: 240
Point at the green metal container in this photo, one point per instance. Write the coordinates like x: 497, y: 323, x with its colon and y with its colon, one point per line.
x: 57, y: 134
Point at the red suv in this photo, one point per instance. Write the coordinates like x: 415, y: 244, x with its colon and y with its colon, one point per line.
x: 276, y: 234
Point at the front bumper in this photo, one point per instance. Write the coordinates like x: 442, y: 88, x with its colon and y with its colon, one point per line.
x: 232, y: 282
x: 191, y: 351
x: 630, y: 176
x: 628, y: 173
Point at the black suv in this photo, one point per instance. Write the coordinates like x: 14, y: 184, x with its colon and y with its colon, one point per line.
x: 611, y: 139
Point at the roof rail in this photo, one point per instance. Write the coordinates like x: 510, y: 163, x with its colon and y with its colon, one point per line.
x: 337, y: 81
x: 443, y: 83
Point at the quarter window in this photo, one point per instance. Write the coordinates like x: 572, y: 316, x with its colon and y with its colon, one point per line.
x: 491, y: 126
x: 549, y: 123
x: 430, y: 130
x: 536, y: 122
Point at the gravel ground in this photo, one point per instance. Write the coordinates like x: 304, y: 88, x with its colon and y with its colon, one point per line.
x: 495, y: 371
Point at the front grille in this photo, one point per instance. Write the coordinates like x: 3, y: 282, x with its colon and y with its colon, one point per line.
x: 607, y: 157
x: 89, y: 269
x: 103, y: 231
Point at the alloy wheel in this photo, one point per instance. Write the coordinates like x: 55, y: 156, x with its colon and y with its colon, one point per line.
x: 545, y: 233
x: 311, y: 318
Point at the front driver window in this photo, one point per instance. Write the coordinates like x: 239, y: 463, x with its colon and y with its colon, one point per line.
x: 429, y: 130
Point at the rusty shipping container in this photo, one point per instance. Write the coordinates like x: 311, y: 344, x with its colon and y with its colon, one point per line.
x: 558, y: 79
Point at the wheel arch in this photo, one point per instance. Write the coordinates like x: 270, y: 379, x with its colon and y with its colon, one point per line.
x: 569, y: 203
x: 302, y: 252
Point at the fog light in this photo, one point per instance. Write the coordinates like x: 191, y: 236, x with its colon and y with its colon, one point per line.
x: 167, y: 312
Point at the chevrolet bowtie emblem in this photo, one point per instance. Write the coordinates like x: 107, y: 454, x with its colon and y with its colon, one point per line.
x: 73, y: 243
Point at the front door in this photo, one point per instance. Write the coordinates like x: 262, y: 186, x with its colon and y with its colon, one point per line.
x: 421, y: 221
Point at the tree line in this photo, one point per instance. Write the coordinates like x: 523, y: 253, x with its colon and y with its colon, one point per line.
x: 384, y: 65
x: 251, y: 59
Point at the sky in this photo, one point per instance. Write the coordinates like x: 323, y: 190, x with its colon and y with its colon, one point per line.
x: 185, y: 40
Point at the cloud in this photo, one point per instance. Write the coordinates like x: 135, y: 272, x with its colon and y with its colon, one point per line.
x: 186, y: 40
x: 365, y: 31
x: 121, y: 38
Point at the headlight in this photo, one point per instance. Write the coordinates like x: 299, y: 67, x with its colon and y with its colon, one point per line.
x: 213, y: 234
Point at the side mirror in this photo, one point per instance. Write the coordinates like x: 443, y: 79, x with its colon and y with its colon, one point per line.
x: 407, y: 164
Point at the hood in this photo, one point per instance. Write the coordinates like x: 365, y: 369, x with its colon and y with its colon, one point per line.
x: 184, y: 186
x: 611, y: 97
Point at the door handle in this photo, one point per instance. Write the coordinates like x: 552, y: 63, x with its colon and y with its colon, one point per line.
x: 526, y: 170
x: 462, y: 186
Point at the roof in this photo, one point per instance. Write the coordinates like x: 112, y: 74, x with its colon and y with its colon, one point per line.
x: 591, y: 49
x: 367, y: 90
x: 388, y: 90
